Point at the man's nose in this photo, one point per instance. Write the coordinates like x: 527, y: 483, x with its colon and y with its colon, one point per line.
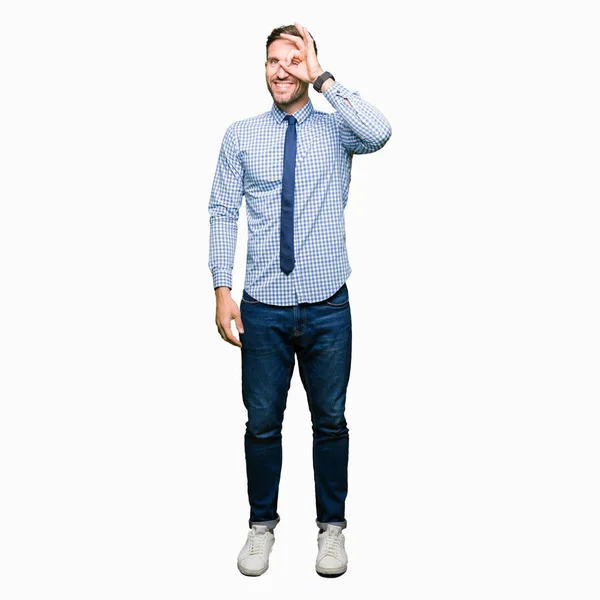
x: 281, y: 72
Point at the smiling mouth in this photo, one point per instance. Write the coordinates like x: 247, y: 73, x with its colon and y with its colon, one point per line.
x: 282, y: 85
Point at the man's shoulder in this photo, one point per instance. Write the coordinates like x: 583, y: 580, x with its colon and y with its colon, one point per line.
x: 241, y: 129
x: 251, y: 122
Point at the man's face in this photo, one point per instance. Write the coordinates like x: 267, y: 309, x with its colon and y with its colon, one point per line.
x: 285, y: 89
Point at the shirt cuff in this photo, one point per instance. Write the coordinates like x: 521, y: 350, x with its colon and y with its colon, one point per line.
x: 221, y: 278
x: 337, y: 90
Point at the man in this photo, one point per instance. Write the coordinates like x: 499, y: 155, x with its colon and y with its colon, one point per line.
x: 293, y: 165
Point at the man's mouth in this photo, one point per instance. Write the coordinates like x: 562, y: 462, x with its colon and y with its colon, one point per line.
x: 283, y: 86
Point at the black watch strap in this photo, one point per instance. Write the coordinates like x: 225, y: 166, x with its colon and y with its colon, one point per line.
x: 321, y: 79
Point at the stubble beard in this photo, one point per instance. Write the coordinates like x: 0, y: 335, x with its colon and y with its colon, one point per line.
x: 282, y: 100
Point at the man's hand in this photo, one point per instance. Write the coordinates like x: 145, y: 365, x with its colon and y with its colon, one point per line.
x: 227, y: 311
x: 302, y: 62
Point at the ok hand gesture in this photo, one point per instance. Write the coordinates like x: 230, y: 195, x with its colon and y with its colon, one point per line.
x: 301, y: 62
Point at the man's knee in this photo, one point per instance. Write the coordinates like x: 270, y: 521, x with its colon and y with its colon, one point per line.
x: 260, y: 428
x: 330, y: 426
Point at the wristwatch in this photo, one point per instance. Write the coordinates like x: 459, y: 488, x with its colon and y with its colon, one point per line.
x: 321, y: 79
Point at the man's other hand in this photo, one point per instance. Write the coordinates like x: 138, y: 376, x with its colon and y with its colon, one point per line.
x: 227, y: 311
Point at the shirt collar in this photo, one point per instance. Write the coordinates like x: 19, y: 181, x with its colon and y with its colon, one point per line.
x: 301, y: 114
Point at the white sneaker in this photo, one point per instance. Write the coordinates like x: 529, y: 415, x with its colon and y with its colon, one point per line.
x: 253, y: 559
x: 332, y: 559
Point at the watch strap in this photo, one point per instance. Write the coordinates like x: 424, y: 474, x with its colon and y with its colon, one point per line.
x: 321, y: 79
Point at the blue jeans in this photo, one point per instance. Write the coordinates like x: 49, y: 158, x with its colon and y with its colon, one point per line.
x: 320, y: 334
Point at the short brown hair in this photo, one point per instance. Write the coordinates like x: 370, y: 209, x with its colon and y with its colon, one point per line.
x: 289, y: 29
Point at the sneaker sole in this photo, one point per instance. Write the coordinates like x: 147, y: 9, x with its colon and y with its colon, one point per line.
x: 249, y: 573
x: 331, y: 572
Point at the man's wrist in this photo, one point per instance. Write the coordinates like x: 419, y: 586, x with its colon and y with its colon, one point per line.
x: 323, y: 81
x: 328, y: 83
x: 316, y: 76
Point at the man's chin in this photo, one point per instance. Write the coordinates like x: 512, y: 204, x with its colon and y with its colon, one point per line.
x: 283, y: 98
x: 286, y: 98
x: 285, y: 101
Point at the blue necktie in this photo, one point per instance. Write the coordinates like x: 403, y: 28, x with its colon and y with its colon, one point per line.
x: 286, y: 249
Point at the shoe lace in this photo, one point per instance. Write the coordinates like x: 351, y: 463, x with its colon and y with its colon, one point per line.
x: 332, y: 544
x: 257, y: 542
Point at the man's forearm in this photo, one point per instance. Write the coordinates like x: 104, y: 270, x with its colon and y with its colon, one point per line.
x: 223, y: 241
x: 366, y: 121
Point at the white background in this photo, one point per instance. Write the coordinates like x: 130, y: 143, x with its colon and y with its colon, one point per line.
x: 473, y: 238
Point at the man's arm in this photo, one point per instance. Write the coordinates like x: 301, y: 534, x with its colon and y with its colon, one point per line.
x: 224, y: 208
x: 363, y: 128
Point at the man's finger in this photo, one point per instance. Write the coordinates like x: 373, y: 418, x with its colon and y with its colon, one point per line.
x: 287, y: 69
x: 230, y: 337
x: 306, y: 37
x: 238, y: 323
x: 227, y: 335
x: 291, y: 55
x: 300, y: 30
x: 293, y: 38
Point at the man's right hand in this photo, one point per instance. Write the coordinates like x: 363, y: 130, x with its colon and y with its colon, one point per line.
x: 227, y: 311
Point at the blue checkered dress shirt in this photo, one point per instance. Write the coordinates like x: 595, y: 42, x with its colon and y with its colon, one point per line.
x: 250, y: 164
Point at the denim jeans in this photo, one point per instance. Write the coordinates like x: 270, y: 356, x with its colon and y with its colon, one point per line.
x: 320, y: 335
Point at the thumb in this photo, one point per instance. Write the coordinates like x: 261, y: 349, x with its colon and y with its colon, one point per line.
x: 238, y: 323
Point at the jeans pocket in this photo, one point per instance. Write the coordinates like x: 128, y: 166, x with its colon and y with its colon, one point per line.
x: 340, y: 299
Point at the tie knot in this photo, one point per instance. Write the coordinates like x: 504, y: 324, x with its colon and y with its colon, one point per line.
x: 291, y: 119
